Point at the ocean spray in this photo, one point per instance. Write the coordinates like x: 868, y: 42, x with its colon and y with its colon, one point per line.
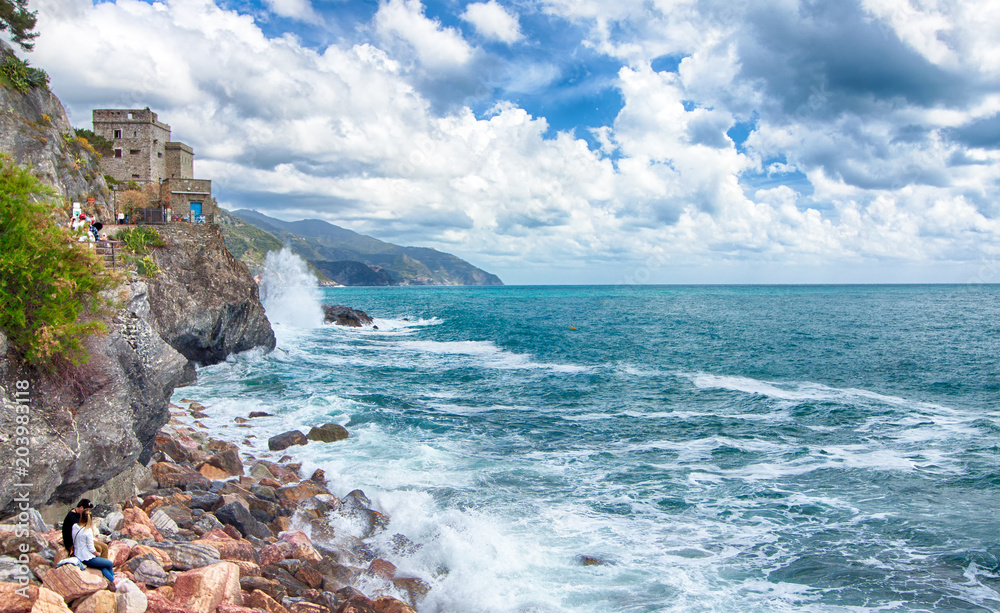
x: 289, y: 291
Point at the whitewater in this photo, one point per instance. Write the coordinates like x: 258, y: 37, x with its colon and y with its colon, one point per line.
x: 596, y: 449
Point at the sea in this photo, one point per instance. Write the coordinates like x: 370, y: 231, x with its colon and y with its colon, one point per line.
x: 650, y: 448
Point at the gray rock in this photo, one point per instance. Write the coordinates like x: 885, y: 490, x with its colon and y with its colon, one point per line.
x: 206, y: 501
x: 163, y: 522
x: 205, y: 290
x: 112, y: 523
x: 286, y: 440
x: 151, y: 573
x: 345, y: 316
x: 328, y: 433
x: 206, y: 523
x: 239, y: 517
x: 187, y: 556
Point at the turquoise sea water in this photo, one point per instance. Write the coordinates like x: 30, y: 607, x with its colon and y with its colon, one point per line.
x: 719, y: 448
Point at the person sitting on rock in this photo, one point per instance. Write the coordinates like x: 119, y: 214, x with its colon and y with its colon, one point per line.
x: 72, y: 518
x: 83, y: 546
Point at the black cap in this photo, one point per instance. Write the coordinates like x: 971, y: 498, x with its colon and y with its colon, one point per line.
x: 86, y: 504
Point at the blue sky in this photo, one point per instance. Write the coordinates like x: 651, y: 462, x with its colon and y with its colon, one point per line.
x: 578, y: 141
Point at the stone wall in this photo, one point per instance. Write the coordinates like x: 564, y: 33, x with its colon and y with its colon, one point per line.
x: 180, y: 193
x: 180, y: 161
x: 139, y: 141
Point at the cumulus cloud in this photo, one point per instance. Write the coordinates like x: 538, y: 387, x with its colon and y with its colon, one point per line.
x: 872, y: 138
x: 493, y: 22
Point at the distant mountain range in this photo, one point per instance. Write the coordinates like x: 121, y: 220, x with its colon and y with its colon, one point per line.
x: 344, y: 256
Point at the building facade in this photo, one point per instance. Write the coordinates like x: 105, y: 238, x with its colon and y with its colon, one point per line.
x: 144, y: 153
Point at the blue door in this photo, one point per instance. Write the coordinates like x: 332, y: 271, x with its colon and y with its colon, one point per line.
x: 196, y: 211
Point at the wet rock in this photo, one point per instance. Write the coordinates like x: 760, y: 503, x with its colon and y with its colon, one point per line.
x: 239, y: 517
x: 286, y: 440
x: 228, y: 461
x: 328, y: 433
x: 258, y: 414
x: 388, y: 604
x: 293, y: 586
x: 71, y: 583
x: 585, y: 560
x: 382, y: 568
x: 188, y: 556
x: 178, y: 447
x: 203, y: 589
x: 301, y: 491
x: 416, y: 589
x: 345, y: 316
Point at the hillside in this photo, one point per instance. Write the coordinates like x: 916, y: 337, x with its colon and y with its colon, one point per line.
x: 336, y: 251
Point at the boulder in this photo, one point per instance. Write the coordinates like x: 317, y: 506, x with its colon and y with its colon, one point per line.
x: 270, y: 587
x: 129, y: 598
x: 247, y: 569
x: 270, y: 555
x: 213, y: 473
x: 179, y: 513
x: 203, y: 589
x: 345, y: 316
x: 286, y: 440
x: 388, y: 604
x: 188, y: 556
x: 206, y: 501
x: 260, y: 600
x: 327, y: 433
x: 168, y: 474
x: 382, y: 568
x: 118, y: 552
x: 157, y: 602
x: 32, y: 542
x: 301, y: 491
x: 71, y: 583
x: 238, y: 516
x: 150, y: 573
x: 160, y: 555
x: 308, y: 607
x: 163, y: 522
x: 178, y: 447
x: 112, y: 522
x: 138, y: 525
x: 258, y: 414
x: 416, y: 589
x: 38, y: 600
x: 230, y: 549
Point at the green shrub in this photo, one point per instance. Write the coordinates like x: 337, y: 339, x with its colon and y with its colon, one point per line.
x: 101, y: 145
x: 20, y: 75
x: 138, y: 239
x: 50, y: 285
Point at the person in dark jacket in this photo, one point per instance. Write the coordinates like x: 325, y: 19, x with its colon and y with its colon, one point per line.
x: 73, y: 518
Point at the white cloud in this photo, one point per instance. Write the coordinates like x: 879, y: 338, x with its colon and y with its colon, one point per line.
x: 301, y: 10
x: 435, y: 46
x: 346, y: 134
x: 492, y: 21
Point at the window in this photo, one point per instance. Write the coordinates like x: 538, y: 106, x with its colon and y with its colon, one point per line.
x: 134, y: 151
x: 118, y: 133
x: 135, y: 176
x: 159, y: 154
x: 118, y: 153
x: 129, y: 116
x: 135, y: 133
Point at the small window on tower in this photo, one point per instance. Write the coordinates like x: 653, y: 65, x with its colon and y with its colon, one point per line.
x: 135, y: 176
x: 118, y: 133
x: 134, y: 152
x: 159, y: 154
x: 118, y: 153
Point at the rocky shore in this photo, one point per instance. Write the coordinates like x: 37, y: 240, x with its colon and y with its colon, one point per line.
x: 218, y: 531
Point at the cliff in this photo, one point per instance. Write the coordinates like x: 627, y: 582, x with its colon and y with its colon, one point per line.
x: 205, y: 303
x: 35, y: 131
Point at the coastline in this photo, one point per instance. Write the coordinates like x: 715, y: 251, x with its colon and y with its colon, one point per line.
x: 220, y: 532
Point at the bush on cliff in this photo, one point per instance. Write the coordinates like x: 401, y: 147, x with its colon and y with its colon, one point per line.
x: 50, y: 285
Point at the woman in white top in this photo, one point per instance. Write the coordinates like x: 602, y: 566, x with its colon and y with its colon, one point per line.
x: 83, y: 546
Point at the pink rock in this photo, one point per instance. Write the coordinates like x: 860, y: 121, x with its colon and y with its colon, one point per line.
x: 16, y: 598
x: 71, y: 583
x: 295, y: 537
x: 387, y: 604
x: 382, y: 568
x: 161, y: 556
x: 118, y: 552
x: 270, y: 555
x: 203, y: 589
x: 230, y: 549
x: 308, y: 607
x: 260, y: 600
x: 216, y: 533
x: 138, y: 525
x: 158, y: 603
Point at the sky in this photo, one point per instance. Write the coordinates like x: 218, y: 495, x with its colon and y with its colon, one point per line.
x: 580, y: 141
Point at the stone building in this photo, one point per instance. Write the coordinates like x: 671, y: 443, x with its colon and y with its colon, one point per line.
x: 144, y: 153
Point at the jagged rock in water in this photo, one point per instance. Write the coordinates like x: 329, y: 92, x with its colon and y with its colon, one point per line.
x: 345, y: 316
x: 327, y: 433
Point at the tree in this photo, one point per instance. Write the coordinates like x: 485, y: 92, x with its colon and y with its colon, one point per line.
x: 50, y: 285
x: 15, y: 16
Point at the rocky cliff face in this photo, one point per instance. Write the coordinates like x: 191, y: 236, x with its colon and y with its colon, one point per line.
x: 85, y: 425
x: 205, y: 302
x: 35, y: 131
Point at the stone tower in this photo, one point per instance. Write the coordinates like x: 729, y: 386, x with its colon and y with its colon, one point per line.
x: 140, y: 144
